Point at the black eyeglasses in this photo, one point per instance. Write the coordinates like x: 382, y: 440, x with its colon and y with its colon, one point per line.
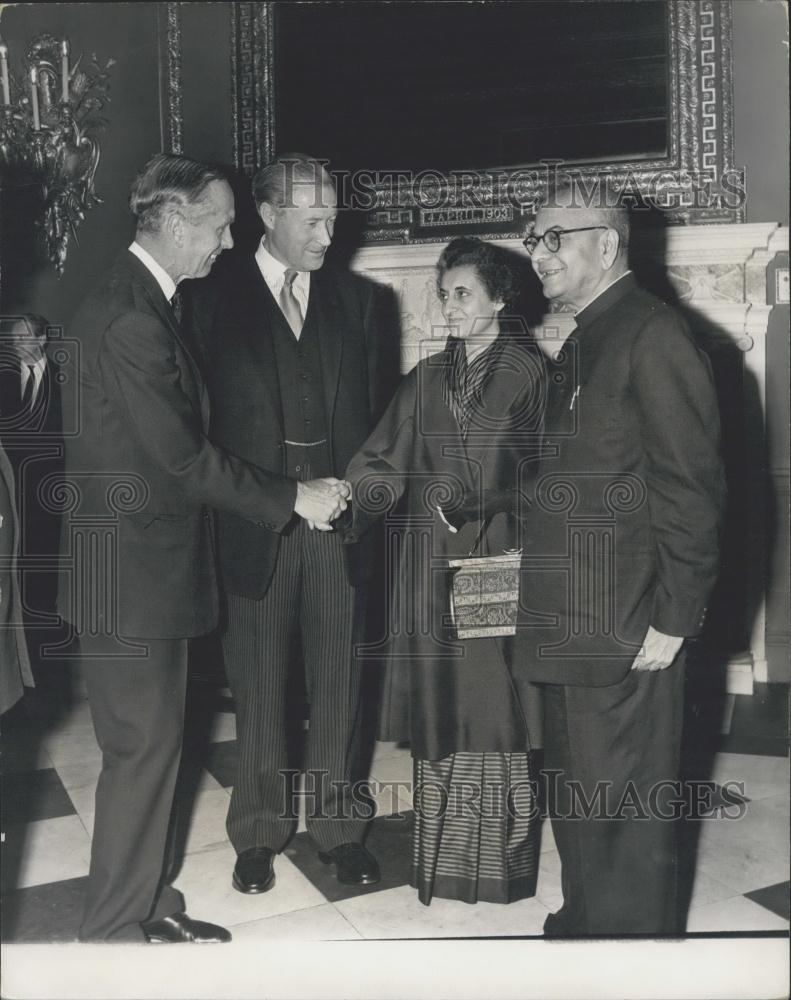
x: 552, y: 237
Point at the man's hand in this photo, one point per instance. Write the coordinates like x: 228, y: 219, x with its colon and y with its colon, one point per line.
x: 658, y: 650
x: 320, y: 501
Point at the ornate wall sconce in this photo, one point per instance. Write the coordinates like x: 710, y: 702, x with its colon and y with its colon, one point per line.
x: 49, y: 122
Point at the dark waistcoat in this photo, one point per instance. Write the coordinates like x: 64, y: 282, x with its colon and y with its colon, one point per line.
x: 302, y: 394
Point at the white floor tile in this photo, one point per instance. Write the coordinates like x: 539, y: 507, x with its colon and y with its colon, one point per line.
x: 383, y: 750
x: 547, y: 838
x: 83, y: 774
x: 735, y: 914
x: 394, y: 776
x: 205, y: 880
x: 48, y: 850
x: 387, y: 798
x: 77, y: 744
x: 742, y: 866
x: 223, y: 727
x: 779, y: 804
x: 314, y: 923
x: 84, y: 801
x: 549, y: 860
x: 760, y: 830
x: 207, y: 823
x: 397, y: 913
x: 706, y: 889
x: 762, y: 776
x: 548, y: 889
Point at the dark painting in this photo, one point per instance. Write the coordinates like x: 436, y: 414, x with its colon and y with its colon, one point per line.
x: 440, y: 86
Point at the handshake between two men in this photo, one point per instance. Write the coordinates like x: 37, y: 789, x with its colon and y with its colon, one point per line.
x: 322, y: 501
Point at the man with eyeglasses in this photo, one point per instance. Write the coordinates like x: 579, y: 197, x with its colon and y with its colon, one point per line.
x: 620, y: 554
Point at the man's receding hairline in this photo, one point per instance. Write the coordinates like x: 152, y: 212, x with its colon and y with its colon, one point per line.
x: 327, y: 184
x: 200, y: 206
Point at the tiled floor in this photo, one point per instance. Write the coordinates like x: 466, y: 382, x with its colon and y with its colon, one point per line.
x: 738, y: 867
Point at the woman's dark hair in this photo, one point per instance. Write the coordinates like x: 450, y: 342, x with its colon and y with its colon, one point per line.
x: 494, y: 268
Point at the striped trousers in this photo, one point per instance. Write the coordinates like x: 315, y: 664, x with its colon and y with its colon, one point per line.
x: 310, y: 599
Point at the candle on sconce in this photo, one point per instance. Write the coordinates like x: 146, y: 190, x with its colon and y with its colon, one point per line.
x: 64, y: 70
x: 4, y: 73
x: 34, y: 98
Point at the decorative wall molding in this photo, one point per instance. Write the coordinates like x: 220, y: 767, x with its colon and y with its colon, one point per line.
x: 253, y: 84
x: 170, y: 85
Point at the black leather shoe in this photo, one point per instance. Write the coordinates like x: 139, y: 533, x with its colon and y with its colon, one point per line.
x: 254, y: 871
x: 354, y: 865
x: 178, y: 928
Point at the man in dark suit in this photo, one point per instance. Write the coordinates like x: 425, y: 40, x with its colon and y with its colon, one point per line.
x: 621, y: 552
x: 141, y: 480
x: 294, y: 389
x: 31, y: 428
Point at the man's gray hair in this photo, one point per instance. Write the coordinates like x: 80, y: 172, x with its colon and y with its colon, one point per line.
x: 597, y: 197
x: 275, y: 182
x: 167, y: 183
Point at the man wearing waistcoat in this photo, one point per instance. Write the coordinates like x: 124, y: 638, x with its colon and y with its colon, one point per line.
x: 292, y: 361
x: 144, y: 478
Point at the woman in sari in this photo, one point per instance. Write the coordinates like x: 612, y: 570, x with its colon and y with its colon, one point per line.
x: 459, y: 442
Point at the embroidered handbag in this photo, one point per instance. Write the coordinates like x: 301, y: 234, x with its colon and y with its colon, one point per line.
x: 485, y: 592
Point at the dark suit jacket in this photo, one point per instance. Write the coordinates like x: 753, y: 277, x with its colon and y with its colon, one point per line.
x: 624, y: 529
x: 142, y: 458
x: 231, y: 327
x: 44, y: 418
x: 14, y: 661
x: 34, y: 445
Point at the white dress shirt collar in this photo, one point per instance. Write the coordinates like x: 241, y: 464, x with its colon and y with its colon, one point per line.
x: 274, y: 272
x: 163, y: 279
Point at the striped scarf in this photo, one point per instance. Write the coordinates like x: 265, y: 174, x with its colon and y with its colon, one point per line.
x: 463, y: 381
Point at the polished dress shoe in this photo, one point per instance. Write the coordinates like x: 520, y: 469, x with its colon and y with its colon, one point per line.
x: 254, y: 871
x: 354, y: 865
x: 178, y: 927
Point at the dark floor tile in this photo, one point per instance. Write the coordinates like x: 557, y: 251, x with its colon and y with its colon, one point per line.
x: 774, y: 898
x: 34, y: 795
x: 760, y: 723
x: 389, y: 840
x: 50, y: 912
x: 19, y: 752
x: 224, y: 703
x: 221, y: 762
x: 753, y: 743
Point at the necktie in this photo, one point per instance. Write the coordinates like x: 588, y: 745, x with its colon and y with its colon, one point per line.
x: 288, y: 303
x: 30, y: 385
x: 175, y: 305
